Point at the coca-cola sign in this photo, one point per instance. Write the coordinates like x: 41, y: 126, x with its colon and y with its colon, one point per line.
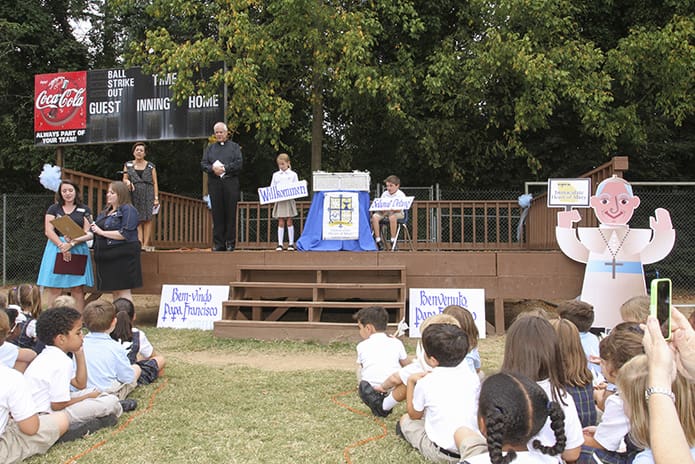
x: 60, y: 102
x: 119, y: 105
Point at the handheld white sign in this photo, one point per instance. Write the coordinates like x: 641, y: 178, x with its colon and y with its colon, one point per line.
x: 426, y: 302
x: 191, y: 306
x: 281, y: 192
x: 391, y: 204
x: 569, y: 193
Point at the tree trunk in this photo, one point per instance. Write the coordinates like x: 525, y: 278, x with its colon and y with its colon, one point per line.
x: 316, y: 122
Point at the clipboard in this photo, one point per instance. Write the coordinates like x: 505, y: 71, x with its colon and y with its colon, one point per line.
x: 68, y: 227
x: 76, y: 265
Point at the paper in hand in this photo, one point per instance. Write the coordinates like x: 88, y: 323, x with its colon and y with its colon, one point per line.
x: 67, y: 227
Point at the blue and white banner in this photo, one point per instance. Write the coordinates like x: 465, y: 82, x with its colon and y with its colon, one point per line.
x: 281, y: 192
x: 426, y: 302
x: 341, y: 216
x: 391, y: 204
x: 191, y: 306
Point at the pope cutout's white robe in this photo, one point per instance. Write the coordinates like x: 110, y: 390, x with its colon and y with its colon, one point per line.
x: 609, y: 282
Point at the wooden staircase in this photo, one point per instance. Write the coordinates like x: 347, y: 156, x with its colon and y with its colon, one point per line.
x: 272, y: 302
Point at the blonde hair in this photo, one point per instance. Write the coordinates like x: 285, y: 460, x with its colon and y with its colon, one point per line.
x: 64, y: 300
x: 283, y: 157
x: 467, y: 323
x: 577, y: 374
x: 4, y: 326
x: 632, y: 382
x: 439, y: 319
x: 636, y: 309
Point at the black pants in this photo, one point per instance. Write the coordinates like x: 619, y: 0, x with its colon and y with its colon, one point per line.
x: 224, y: 195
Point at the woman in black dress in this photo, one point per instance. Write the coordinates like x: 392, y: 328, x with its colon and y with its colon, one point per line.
x: 116, y: 244
x: 140, y: 176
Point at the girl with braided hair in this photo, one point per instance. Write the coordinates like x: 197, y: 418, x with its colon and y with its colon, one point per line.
x: 532, y: 348
x: 512, y: 409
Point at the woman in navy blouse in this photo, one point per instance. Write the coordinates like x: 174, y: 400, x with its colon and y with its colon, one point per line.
x: 116, y: 244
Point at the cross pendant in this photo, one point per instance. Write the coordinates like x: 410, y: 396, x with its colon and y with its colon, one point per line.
x: 613, y: 264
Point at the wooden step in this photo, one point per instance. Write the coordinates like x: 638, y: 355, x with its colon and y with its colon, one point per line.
x: 230, y: 308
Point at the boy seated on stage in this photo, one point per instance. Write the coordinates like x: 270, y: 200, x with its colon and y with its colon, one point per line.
x: 108, y: 365
x: 393, y: 185
x: 378, y: 354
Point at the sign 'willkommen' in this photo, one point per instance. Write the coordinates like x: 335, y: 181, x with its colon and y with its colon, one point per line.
x: 281, y: 192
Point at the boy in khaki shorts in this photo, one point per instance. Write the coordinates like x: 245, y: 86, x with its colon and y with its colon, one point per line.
x: 393, y: 185
x: 23, y: 433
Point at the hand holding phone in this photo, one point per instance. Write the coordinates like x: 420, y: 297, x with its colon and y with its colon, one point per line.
x: 660, y: 305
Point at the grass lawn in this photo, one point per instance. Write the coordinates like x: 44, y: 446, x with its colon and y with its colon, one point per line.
x: 233, y: 401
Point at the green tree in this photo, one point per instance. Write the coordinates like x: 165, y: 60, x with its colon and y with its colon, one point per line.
x: 279, y: 55
x: 35, y: 38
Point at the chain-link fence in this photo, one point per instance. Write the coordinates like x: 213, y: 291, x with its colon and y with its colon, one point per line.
x: 22, y: 228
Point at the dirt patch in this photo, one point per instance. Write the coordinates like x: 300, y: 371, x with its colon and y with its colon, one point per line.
x: 271, y: 362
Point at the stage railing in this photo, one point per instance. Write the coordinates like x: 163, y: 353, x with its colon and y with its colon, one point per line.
x: 185, y: 222
x: 182, y: 222
x: 434, y: 225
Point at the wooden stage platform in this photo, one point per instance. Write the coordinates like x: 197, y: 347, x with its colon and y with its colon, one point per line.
x: 505, y: 275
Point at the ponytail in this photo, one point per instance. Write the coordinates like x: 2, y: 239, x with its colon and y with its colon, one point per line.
x: 123, y: 332
x: 495, y: 426
x: 557, y: 424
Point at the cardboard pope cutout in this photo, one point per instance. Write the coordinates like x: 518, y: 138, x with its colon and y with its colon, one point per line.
x: 614, y: 253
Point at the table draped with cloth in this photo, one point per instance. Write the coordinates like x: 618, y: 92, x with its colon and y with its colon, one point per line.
x: 311, y: 239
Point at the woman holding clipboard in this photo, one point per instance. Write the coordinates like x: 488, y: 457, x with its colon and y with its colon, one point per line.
x: 66, y: 263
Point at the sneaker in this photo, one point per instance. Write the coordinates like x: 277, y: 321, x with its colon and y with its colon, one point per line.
x: 279, y: 248
x: 373, y: 399
x: 380, y: 245
x: 129, y: 404
x: 290, y: 247
x: 81, y: 430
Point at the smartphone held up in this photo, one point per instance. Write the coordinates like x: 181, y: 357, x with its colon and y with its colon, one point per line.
x: 660, y: 304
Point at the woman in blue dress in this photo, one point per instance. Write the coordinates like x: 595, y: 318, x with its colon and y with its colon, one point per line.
x: 68, y: 203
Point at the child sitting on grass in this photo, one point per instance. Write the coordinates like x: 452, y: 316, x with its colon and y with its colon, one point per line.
x: 441, y: 401
x: 385, y: 396
x: 23, y: 432
x: 607, y: 439
x: 512, y: 409
x: 378, y: 354
x: 633, y: 382
x: 467, y: 323
x: 578, y: 378
x: 11, y: 355
x: 532, y: 349
x: 636, y: 309
x: 109, y: 369
x: 581, y: 314
x: 139, y: 349
x: 52, y: 374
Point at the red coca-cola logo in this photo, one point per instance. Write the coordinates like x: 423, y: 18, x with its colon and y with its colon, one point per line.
x: 60, y: 101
